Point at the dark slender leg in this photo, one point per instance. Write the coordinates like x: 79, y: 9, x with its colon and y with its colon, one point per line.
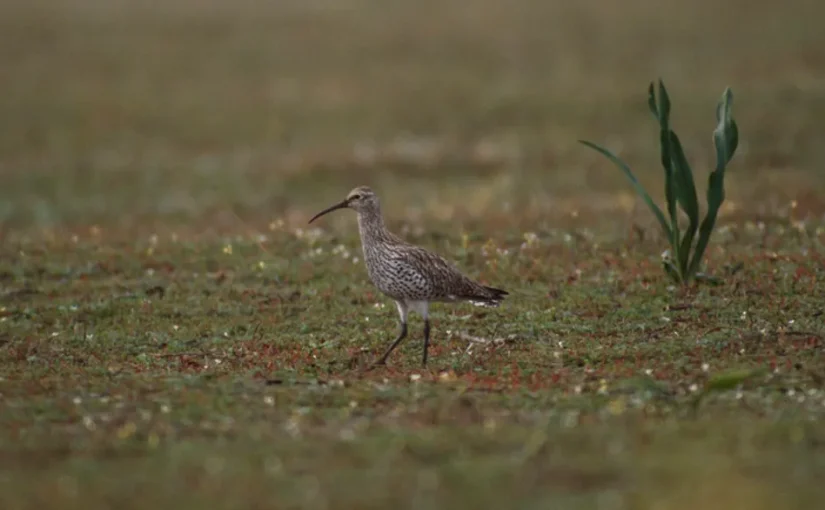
x: 401, y: 335
x: 426, y: 341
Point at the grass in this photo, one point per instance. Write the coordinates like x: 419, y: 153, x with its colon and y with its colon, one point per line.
x: 172, y: 333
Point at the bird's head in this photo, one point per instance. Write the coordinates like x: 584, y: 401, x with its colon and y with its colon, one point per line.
x: 359, y: 199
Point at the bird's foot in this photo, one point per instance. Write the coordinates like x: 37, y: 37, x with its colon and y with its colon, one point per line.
x: 375, y: 364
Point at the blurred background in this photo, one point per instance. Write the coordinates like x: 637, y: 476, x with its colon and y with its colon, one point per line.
x: 139, y: 114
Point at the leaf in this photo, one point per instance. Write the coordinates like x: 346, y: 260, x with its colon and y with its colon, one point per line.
x: 672, y: 271
x: 726, y: 140
x: 724, y: 382
x: 670, y: 183
x: 705, y: 278
x: 715, y: 195
x: 686, y: 194
x: 730, y: 379
x: 726, y: 134
x: 651, y: 101
x: 646, y: 384
x: 636, y: 184
x: 664, y: 105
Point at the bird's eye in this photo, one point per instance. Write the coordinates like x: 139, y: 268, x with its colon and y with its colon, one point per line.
x: 355, y: 197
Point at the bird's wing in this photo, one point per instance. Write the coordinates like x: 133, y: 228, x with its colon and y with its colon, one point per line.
x: 444, y: 278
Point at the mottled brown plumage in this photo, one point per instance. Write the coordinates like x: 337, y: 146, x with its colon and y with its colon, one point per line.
x: 410, y: 275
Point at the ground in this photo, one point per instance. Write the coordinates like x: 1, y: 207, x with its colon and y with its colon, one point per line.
x: 173, y: 333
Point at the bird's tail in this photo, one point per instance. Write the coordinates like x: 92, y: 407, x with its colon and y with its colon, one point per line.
x: 489, y: 296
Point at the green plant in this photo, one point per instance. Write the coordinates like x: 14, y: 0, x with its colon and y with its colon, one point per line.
x: 682, y: 264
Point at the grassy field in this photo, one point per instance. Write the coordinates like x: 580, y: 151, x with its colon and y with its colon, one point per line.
x: 174, y: 335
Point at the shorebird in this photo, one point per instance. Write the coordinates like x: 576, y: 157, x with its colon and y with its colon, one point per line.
x: 412, y: 276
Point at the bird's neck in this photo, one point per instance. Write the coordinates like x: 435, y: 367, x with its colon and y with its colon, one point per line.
x: 371, y: 227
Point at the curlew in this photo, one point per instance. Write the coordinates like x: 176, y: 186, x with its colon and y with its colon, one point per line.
x: 412, y: 276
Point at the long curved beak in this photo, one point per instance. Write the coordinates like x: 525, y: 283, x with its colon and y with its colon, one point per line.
x: 341, y: 205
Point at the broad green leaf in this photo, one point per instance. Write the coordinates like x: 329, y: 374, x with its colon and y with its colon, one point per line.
x: 726, y: 140
x: 706, y: 278
x: 730, y: 379
x: 727, y: 143
x: 667, y: 165
x: 636, y: 184
x: 651, y: 101
x: 672, y: 271
x: 715, y: 195
x: 664, y: 106
x: 647, y: 384
x: 726, y: 134
x: 733, y: 138
x: 686, y: 194
x: 724, y: 382
x: 670, y: 184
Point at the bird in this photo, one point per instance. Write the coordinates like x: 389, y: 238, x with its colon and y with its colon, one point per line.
x: 410, y: 275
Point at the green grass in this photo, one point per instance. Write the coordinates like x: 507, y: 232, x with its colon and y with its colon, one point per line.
x: 173, y: 334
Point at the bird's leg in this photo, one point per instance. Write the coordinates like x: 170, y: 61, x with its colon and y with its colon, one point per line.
x: 402, y: 312
x: 423, y: 307
x: 426, y: 340
x: 401, y: 335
